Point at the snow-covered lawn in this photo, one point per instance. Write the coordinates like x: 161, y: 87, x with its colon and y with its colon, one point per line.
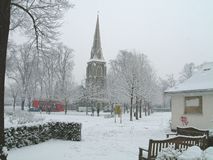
x: 102, y: 139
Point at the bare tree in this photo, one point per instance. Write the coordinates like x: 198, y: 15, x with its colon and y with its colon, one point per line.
x: 171, y: 80
x: 23, y: 61
x: 63, y: 70
x: 167, y: 83
x: 38, y: 19
x: 49, y: 75
x: 187, y: 72
x: 43, y: 15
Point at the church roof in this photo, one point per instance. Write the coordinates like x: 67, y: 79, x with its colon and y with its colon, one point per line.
x: 96, y: 52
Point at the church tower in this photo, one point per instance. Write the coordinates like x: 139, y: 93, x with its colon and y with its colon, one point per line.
x: 96, y: 71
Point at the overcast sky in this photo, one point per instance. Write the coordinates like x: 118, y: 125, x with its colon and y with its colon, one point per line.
x: 170, y: 32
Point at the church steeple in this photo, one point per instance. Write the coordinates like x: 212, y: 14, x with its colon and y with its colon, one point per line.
x: 96, y: 52
x: 96, y: 72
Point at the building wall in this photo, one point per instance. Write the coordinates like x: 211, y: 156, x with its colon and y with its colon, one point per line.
x: 202, y: 121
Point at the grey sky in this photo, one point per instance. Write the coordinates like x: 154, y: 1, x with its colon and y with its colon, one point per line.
x: 170, y: 32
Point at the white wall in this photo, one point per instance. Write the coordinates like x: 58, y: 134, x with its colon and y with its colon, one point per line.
x: 202, y: 121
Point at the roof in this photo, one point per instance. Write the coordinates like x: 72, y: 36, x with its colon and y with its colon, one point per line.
x: 201, y: 81
x: 96, y: 52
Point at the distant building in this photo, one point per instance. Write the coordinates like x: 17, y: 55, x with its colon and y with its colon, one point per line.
x: 192, y: 100
x: 96, y: 73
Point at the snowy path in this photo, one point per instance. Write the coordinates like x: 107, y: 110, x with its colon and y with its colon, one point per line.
x: 102, y: 139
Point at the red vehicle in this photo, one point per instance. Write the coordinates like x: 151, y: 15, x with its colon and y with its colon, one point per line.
x: 48, y: 105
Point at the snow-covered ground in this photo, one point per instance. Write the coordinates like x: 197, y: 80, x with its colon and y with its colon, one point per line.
x: 102, y: 139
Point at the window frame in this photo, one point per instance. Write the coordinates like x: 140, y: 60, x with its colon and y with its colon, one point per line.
x: 193, y: 109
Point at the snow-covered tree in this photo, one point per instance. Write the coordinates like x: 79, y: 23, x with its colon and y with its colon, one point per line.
x: 125, y: 69
x: 135, y: 79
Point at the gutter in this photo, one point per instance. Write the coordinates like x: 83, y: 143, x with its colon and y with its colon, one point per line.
x: 189, y: 91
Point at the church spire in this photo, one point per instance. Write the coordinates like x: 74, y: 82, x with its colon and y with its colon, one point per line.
x: 96, y: 52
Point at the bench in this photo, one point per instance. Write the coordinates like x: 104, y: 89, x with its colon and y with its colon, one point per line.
x: 189, y: 131
x: 179, y: 142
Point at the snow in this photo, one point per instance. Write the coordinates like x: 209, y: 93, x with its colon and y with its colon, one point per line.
x: 192, y: 153
x: 5, y: 151
x: 97, y: 60
x: 101, y: 138
x: 20, y: 118
x: 208, y: 153
x: 168, y: 153
x: 201, y: 80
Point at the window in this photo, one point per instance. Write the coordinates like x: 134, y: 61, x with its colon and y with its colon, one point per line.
x: 99, y: 71
x: 193, y: 104
x: 93, y: 70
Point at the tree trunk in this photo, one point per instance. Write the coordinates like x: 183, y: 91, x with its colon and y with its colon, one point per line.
x: 140, y: 109
x: 65, y: 106
x: 98, y: 112
x: 148, y: 109
x: 112, y: 109
x: 92, y: 108
x: 124, y: 108
x: 22, y: 104
x: 29, y: 102
x: 65, y: 109
x: 4, y: 31
x: 136, y: 112
x: 131, y: 103
x: 41, y: 89
x: 98, y: 108
x: 14, y: 103
x: 87, y: 107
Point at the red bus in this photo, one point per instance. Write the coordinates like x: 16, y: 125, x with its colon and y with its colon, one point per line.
x: 48, y: 105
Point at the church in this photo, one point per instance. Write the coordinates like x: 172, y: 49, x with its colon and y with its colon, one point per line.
x: 96, y: 73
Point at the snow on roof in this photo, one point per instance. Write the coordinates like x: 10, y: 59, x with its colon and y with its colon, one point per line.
x: 97, y: 60
x: 201, y: 80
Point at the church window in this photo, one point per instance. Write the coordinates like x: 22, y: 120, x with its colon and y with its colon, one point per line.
x: 93, y: 70
x: 99, y: 71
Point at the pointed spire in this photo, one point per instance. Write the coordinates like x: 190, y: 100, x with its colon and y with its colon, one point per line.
x: 96, y: 52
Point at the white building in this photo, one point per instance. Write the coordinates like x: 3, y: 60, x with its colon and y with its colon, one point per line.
x: 192, y: 100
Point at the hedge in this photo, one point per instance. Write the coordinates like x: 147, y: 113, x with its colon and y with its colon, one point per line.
x: 29, y: 135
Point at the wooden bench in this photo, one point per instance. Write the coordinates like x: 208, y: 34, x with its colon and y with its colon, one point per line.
x: 179, y: 142
x: 189, y: 131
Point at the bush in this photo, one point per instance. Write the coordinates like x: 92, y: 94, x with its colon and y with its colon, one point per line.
x: 24, y: 136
